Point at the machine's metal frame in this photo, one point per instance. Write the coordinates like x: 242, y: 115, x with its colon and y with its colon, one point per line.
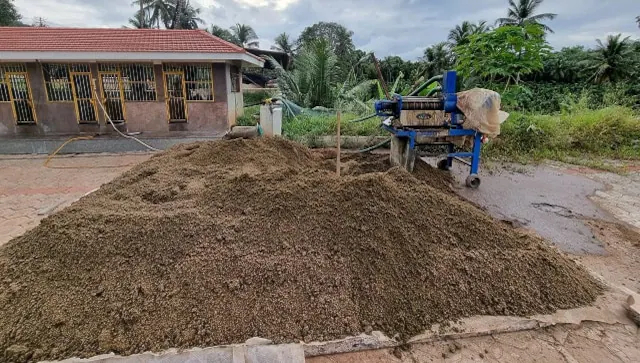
x: 451, y: 129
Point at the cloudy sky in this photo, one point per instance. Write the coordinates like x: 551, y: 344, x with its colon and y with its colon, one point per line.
x: 388, y: 27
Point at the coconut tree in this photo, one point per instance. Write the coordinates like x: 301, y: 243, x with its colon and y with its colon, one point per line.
x: 141, y: 20
x: 222, y: 33
x: 245, y: 35
x: 460, y: 34
x: 283, y: 43
x: 522, y: 12
x: 612, y: 59
x: 438, y: 58
x: 481, y: 27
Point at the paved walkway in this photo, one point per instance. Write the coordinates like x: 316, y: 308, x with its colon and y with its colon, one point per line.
x: 29, y: 191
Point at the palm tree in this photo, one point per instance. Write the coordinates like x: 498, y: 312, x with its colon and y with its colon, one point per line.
x: 141, y: 20
x: 245, y: 35
x: 612, y: 60
x: 438, y: 58
x: 315, y: 73
x: 283, y: 43
x: 638, y: 21
x: 182, y: 15
x: 460, y: 34
x: 481, y: 27
x: 522, y: 12
x: 222, y: 34
x: 159, y: 11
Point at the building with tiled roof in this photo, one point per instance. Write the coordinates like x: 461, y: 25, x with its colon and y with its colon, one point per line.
x: 67, y: 81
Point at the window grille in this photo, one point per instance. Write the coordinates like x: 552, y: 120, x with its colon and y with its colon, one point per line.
x: 198, y: 80
x: 57, y: 80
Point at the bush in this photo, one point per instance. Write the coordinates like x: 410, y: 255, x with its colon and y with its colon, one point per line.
x: 253, y: 97
x: 326, y: 124
x: 610, y: 132
x: 248, y: 118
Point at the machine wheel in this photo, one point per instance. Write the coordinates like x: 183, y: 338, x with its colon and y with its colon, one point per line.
x: 473, y: 181
x: 442, y: 165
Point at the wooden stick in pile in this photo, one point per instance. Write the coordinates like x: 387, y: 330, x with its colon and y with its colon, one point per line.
x: 338, y: 141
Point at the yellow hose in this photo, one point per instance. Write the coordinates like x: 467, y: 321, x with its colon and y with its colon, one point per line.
x: 51, y: 156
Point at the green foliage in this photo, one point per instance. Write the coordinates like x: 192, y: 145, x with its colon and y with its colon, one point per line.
x: 250, y: 117
x: 612, y: 60
x: 223, y: 34
x: 521, y: 13
x: 337, y: 37
x: 244, y: 35
x: 323, y: 124
x: 254, y: 97
x: 9, y: 15
x: 283, y: 43
x: 506, y: 53
x: 550, y: 98
x: 438, y: 59
x: 173, y: 14
x: 461, y: 33
x: 607, y: 132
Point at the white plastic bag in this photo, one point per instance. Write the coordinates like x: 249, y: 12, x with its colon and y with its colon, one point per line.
x: 481, y: 108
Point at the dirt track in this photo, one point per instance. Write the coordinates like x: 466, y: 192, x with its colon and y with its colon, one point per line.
x: 214, y: 243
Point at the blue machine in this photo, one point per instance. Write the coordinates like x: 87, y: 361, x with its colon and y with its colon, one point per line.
x: 405, y: 115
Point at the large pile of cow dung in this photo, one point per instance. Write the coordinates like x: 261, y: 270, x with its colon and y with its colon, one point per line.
x: 213, y: 243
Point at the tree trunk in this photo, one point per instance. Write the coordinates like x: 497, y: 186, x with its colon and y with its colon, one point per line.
x: 142, y: 24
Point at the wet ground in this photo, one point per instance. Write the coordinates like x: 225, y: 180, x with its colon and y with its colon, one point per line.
x: 543, y: 198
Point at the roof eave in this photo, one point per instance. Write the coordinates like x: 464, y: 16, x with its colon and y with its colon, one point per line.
x: 72, y: 56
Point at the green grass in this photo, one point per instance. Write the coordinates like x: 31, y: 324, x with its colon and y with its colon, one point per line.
x: 248, y: 118
x: 582, y: 136
x: 326, y: 124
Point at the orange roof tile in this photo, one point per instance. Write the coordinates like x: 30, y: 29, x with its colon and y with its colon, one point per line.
x: 112, y: 40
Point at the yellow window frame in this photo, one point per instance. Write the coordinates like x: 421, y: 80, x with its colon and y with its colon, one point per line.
x: 120, y: 86
x: 29, y: 100
x: 46, y: 89
x: 74, y: 94
x: 167, y: 99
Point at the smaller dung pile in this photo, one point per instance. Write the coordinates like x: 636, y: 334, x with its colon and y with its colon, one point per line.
x: 213, y: 243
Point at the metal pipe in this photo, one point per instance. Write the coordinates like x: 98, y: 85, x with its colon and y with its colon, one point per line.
x: 425, y: 85
x: 434, y: 91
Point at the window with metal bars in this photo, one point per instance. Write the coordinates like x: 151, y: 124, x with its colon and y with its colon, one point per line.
x: 138, y: 81
x: 198, y: 80
x: 4, y: 80
x: 57, y: 81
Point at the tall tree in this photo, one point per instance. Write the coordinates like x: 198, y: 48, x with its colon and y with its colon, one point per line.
x: 283, y: 43
x: 245, y: 35
x: 9, y: 15
x: 339, y: 39
x: 438, y: 58
x: 141, y: 20
x: 315, y: 73
x: 222, y: 33
x: 183, y: 15
x: 612, y: 60
x: 460, y: 34
x: 523, y: 12
x: 159, y: 10
x: 638, y: 21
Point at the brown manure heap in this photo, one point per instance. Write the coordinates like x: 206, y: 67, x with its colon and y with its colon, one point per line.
x: 217, y: 242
